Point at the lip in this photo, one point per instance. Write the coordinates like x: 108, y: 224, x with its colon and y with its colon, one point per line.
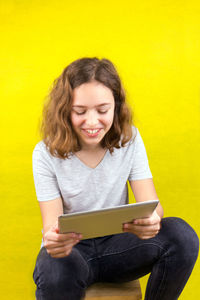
x: 91, y: 128
x: 92, y: 134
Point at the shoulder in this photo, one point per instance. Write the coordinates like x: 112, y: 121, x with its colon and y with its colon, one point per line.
x: 39, y: 147
x: 129, y: 147
x: 41, y: 157
x: 135, y: 133
x: 135, y: 144
x: 42, y: 160
x: 41, y: 151
x: 134, y: 138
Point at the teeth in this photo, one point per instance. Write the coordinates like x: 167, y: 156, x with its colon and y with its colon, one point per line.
x: 92, y: 131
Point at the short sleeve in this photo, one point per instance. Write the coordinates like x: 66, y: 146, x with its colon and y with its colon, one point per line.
x: 140, y: 165
x: 46, y: 185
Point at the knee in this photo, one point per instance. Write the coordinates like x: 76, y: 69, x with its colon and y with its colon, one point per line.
x: 183, y: 238
x: 61, y: 275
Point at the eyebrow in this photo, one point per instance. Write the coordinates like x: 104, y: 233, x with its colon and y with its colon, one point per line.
x: 82, y: 106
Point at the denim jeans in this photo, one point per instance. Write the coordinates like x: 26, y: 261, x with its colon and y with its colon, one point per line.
x: 169, y: 257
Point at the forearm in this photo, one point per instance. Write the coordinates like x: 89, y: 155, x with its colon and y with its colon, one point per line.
x: 159, y: 210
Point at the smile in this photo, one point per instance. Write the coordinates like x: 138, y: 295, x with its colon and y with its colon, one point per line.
x: 92, y: 132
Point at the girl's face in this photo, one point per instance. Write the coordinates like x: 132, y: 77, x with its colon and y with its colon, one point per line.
x: 92, y: 113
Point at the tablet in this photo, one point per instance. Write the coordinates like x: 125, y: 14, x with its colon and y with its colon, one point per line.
x: 106, y: 221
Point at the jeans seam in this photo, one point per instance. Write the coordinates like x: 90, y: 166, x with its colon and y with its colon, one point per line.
x: 158, y: 294
x: 126, y: 250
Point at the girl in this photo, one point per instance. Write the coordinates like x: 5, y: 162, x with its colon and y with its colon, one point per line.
x: 89, y: 151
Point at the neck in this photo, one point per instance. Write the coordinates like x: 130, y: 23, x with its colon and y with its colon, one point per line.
x: 91, y: 148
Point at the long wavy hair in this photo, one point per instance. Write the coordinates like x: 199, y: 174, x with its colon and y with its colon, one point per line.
x: 56, y: 127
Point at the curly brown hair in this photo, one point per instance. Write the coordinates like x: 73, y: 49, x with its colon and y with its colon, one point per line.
x: 56, y: 127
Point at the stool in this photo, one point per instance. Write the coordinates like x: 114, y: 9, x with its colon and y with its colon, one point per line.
x: 114, y: 291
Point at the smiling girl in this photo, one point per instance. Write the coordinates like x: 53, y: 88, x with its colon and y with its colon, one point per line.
x: 90, y: 149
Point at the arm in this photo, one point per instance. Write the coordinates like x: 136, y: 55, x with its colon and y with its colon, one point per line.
x: 50, y: 210
x: 144, y: 190
x: 57, y: 245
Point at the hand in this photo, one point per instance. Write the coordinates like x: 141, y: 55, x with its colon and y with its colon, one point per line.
x: 145, y: 228
x: 60, y: 245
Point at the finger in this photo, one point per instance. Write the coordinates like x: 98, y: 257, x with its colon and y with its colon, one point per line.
x: 61, y: 255
x: 59, y: 250
x: 142, y: 234
x: 52, y: 241
x: 54, y: 244
x: 141, y: 228
x: 67, y: 236
x: 147, y: 226
x: 150, y: 233
x: 146, y: 221
x: 64, y: 251
x: 146, y: 237
x: 56, y: 237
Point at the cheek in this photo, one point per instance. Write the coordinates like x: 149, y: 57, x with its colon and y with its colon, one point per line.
x: 76, y: 120
x: 108, y: 119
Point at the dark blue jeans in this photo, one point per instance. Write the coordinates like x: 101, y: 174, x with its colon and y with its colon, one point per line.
x: 169, y: 257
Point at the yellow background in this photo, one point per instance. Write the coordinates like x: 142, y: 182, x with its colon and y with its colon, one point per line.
x: 155, y: 47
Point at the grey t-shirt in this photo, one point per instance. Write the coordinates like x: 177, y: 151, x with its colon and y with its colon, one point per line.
x: 83, y: 188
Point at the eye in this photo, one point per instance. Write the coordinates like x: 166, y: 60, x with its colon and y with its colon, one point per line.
x: 79, y: 112
x: 102, y: 111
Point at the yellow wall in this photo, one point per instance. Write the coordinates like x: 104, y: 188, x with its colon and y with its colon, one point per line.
x: 155, y: 46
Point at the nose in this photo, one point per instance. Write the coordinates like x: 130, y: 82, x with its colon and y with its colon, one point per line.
x: 92, y: 118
